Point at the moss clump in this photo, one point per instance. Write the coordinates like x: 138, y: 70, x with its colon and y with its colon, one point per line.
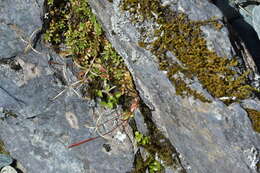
x: 102, y: 69
x: 2, y: 148
x: 184, y: 90
x: 184, y: 39
x: 145, y: 9
x: 254, y: 116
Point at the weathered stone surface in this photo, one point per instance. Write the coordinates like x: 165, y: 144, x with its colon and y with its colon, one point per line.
x: 18, y: 20
x: 210, y: 137
x: 35, y: 129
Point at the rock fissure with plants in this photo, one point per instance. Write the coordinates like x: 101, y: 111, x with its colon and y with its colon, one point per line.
x: 73, y: 25
x: 178, y: 99
x: 159, y: 152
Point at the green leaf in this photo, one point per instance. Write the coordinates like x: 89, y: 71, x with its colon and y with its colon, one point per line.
x: 98, y: 29
x: 138, y: 137
x: 110, y: 105
x: 100, y: 93
x: 81, y: 26
x: 118, y: 94
x: 155, y: 166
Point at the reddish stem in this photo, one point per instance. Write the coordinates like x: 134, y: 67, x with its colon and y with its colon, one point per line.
x: 134, y: 106
x: 91, y: 139
x: 82, y: 142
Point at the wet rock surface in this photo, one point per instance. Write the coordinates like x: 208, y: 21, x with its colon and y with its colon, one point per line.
x: 35, y: 128
x: 210, y: 137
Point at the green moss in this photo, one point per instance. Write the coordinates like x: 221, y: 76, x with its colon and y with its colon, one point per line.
x: 184, y: 90
x: 2, y: 148
x: 102, y: 69
x: 139, y: 163
x: 146, y: 10
x: 184, y: 38
x: 254, y: 116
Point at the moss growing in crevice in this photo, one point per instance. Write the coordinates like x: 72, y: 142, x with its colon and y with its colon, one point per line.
x: 254, y: 116
x: 72, y: 24
x: 158, y: 145
x: 150, y: 164
x: 139, y: 163
x: 2, y: 148
x: 184, y: 39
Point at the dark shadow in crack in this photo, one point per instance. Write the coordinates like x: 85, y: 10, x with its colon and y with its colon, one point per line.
x: 243, y: 29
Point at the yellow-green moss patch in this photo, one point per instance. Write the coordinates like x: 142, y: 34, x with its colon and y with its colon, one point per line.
x: 2, y: 148
x: 254, y: 116
x: 184, y: 39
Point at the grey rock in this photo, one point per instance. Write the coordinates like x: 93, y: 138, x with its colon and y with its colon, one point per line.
x: 5, y: 160
x: 10, y: 44
x: 42, y: 129
x: 18, y: 20
x: 209, y: 137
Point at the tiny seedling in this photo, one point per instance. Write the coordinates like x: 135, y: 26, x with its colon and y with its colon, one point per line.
x: 141, y: 139
x: 155, y: 166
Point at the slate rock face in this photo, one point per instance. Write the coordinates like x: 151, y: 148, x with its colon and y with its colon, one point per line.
x: 36, y: 129
x: 210, y: 137
x: 18, y: 19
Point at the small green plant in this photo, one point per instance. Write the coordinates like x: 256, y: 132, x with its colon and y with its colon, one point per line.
x: 141, y: 139
x: 105, y: 73
x: 109, y: 99
x: 50, y: 2
x: 154, y: 166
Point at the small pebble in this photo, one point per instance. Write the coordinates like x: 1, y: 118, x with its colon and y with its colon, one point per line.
x: 8, y: 169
